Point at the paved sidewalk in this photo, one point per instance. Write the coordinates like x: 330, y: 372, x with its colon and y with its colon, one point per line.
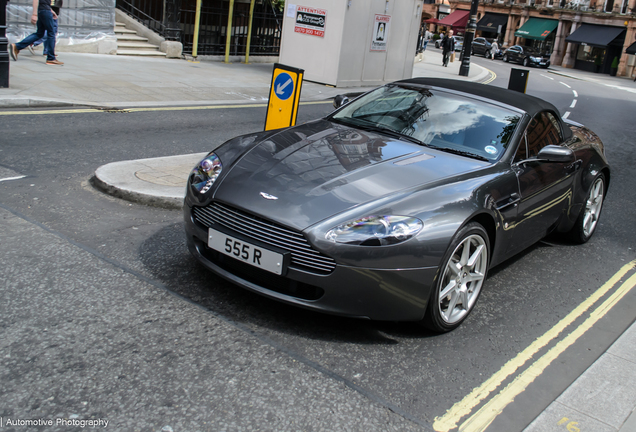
x: 120, y: 82
x: 602, y: 399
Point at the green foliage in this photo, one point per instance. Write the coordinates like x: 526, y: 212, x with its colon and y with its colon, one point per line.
x: 598, y: 60
x: 436, y: 36
x: 615, y: 63
x: 278, y: 4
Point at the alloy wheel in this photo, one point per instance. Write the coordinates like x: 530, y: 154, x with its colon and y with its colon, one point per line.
x: 593, y: 207
x: 463, y: 278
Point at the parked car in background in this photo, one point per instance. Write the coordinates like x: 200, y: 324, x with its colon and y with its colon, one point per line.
x: 459, y: 42
x: 483, y: 46
x: 395, y: 206
x: 526, y: 56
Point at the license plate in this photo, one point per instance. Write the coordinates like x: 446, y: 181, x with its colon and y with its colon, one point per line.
x: 246, y: 252
x: 542, y: 63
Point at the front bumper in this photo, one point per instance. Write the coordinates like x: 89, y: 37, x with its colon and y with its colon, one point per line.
x: 378, y: 294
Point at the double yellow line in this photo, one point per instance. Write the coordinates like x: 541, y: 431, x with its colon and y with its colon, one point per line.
x: 487, y: 413
x: 147, y: 109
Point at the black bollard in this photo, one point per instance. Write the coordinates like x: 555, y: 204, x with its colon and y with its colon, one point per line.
x: 518, y: 80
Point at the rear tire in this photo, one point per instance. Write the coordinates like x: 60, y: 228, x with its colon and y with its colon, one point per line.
x: 487, y: 54
x: 459, y: 279
x: 505, y: 58
x: 587, y: 222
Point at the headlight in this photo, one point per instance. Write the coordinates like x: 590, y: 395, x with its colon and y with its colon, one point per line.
x: 376, y: 230
x: 535, y: 59
x: 205, y: 173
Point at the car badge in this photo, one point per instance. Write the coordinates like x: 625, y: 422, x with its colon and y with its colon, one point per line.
x: 268, y: 196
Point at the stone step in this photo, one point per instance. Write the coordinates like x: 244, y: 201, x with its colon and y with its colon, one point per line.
x: 131, y: 38
x: 133, y: 45
x: 124, y: 30
x: 129, y: 44
x: 142, y: 53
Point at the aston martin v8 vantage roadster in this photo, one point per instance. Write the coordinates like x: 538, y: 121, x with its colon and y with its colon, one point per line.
x: 396, y: 205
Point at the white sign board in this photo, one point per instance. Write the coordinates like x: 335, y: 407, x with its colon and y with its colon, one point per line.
x: 310, y: 21
x: 380, y: 35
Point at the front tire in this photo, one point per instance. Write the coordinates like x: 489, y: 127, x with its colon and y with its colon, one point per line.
x: 459, y: 279
x: 487, y: 54
x: 587, y: 221
x: 526, y: 62
x: 505, y: 58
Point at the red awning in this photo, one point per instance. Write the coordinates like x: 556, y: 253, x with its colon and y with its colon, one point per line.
x: 456, y: 20
x: 432, y: 21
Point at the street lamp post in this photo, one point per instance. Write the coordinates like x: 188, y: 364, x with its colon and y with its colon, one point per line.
x: 468, y: 39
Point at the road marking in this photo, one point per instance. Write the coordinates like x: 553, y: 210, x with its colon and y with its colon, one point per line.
x: 545, y: 76
x: 565, y: 84
x: 12, y: 178
x: 628, y: 89
x: 573, y: 103
x: 148, y: 109
x: 461, y: 409
x: 492, y: 77
x: 566, y: 115
x: 487, y: 414
x: 575, y: 93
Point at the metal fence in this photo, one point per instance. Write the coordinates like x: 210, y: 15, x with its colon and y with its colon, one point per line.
x: 175, y: 20
x: 266, y: 28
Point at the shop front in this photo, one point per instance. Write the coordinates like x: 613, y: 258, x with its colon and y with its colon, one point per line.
x: 456, y: 21
x: 539, y: 34
x: 598, y: 45
x: 492, y: 25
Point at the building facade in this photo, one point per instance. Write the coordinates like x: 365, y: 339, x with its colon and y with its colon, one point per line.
x: 582, y: 34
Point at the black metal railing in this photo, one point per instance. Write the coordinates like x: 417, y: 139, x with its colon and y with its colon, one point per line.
x: 175, y: 20
x: 266, y: 28
x: 150, y: 13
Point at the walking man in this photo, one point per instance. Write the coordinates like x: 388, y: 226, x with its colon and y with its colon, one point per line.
x: 44, y: 17
x: 448, y: 47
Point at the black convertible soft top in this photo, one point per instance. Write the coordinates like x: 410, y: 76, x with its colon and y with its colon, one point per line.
x: 524, y: 102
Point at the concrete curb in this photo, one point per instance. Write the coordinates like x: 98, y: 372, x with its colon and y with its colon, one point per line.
x: 147, y: 181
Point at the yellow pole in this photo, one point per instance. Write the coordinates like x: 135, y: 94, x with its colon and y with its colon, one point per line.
x: 197, y: 19
x: 228, y: 35
x: 249, y: 33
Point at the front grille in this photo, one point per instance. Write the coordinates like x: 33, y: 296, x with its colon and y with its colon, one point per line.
x: 303, y: 255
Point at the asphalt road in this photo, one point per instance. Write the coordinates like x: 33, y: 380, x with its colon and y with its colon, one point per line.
x: 106, y: 316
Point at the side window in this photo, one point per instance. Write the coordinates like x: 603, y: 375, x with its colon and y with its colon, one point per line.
x: 543, y: 130
x: 522, y: 150
x: 557, y: 128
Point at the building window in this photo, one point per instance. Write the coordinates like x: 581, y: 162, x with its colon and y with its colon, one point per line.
x: 590, y: 54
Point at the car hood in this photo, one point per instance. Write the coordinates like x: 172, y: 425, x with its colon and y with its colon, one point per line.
x: 305, y: 174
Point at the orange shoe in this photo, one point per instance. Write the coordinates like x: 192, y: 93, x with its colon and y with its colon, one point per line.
x: 14, y: 52
x: 54, y: 62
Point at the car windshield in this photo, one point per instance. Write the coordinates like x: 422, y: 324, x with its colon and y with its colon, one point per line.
x: 434, y: 118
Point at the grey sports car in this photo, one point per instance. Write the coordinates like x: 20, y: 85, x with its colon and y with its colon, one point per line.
x: 396, y: 205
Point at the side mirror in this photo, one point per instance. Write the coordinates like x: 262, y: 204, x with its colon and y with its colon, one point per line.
x: 340, y: 100
x: 554, y: 153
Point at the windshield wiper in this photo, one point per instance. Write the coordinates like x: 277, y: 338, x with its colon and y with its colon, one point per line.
x: 460, y: 152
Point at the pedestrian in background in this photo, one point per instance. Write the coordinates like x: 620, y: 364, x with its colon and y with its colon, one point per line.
x: 448, y: 47
x: 56, y: 8
x: 494, y: 49
x: 44, y: 17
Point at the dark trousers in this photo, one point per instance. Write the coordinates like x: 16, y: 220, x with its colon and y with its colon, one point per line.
x: 46, y: 24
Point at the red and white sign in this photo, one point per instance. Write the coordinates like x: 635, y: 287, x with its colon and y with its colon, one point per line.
x: 380, y: 36
x: 310, y: 21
